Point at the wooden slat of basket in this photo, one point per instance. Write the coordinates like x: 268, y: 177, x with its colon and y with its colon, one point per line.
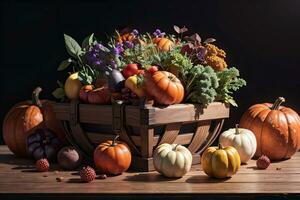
x: 212, y: 135
x: 97, y: 114
x: 200, y: 135
x: 170, y: 134
x: 147, y: 137
x: 102, y: 114
x: 186, y: 113
x: 96, y: 138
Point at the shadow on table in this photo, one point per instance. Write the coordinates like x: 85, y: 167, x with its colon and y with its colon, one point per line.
x: 22, y: 164
x: 17, y: 163
x: 148, y: 178
x: 205, y: 179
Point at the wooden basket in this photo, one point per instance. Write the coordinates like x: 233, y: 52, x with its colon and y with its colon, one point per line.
x: 142, y: 127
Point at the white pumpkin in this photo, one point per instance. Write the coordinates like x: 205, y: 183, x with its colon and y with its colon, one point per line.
x: 172, y: 160
x: 242, y: 139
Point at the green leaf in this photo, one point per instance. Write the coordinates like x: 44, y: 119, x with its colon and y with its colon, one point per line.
x: 209, y: 40
x: 59, y: 93
x: 64, y: 64
x: 88, y: 41
x: 177, y: 29
x: 85, y: 78
x: 72, y: 46
x: 60, y: 84
x: 232, y: 102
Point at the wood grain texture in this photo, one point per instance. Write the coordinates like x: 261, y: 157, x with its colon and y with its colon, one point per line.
x: 19, y: 177
x: 187, y: 113
x: 170, y: 134
x: 97, y: 138
x: 102, y: 114
x: 199, y: 136
x: 147, y: 135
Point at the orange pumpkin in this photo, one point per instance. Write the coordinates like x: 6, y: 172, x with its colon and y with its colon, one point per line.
x: 84, y: 92
x: 88, y: 94
x: 112, y: 157
x: 164, y: 87
x: 125, y: 37
x: 24, y: 118
x: 277, y: 129
x: 163, y: 43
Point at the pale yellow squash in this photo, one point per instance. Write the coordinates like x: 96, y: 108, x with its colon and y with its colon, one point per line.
x: 172, y: 160
x: 243, y: 140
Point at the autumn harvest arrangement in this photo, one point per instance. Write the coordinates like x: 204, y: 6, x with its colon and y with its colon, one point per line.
x: 159, y: 70
x: 168, y: 69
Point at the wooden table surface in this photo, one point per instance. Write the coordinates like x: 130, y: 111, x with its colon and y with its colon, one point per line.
x: 18, y: 179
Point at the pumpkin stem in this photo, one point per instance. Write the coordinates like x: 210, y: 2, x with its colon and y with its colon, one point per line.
x: 35, y: 97
x: 277, y: 103
x: 175, y: 147
x: 220, y: 146
x: 237, y: 129
x: 114, y: 140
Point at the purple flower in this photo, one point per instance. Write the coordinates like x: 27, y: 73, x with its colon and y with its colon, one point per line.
x: 201, y: 54
x: 135, y: 32
x: 113, y: 64
x: 98, y: 46
x: 128, y: 44
x: 98, y: 62
x: 158, y: 33
x: 91, y: 57
x: 118, y: 49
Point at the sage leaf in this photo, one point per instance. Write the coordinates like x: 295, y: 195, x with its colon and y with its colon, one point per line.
x: 85, y: 78
x: 209, y: 40
x: 88, y: 41
x: 177, y: 29
x: 184, y: 29
x: 59, y: 93
x: 64, y: 64
x: 197, y: 37
x: 232, y: 102
x: 72, y: 46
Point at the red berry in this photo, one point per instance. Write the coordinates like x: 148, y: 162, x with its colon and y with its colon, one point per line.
x: 87, y: 174
x: 130, y: 70
x: 42, y: 165
x: 152, y: 69
x: 263, y: 162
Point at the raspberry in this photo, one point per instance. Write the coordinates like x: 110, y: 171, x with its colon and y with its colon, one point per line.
x: 87, y: 174
x: 42, y: 165
x: 263, y: 162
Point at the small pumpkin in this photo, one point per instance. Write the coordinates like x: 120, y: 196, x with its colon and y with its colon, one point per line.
x: 172, y: 160
x: 243, y: 140
x: 72, y: 86
x: 43, y: 143
x: 112, y: 157
x: 88, y: 94
x: 277, y: 129
x: 164, y: 87
x: 125, y: 37
x: 84, y: 93
x: 219, y: 162
x: 24, y: 118
x: 162, y: 43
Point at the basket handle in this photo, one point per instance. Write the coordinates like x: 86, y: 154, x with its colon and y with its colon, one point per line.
x: 79, y: 136
x: 118, y: 108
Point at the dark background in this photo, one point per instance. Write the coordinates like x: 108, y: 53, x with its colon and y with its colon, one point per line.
x: 261, y: 38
